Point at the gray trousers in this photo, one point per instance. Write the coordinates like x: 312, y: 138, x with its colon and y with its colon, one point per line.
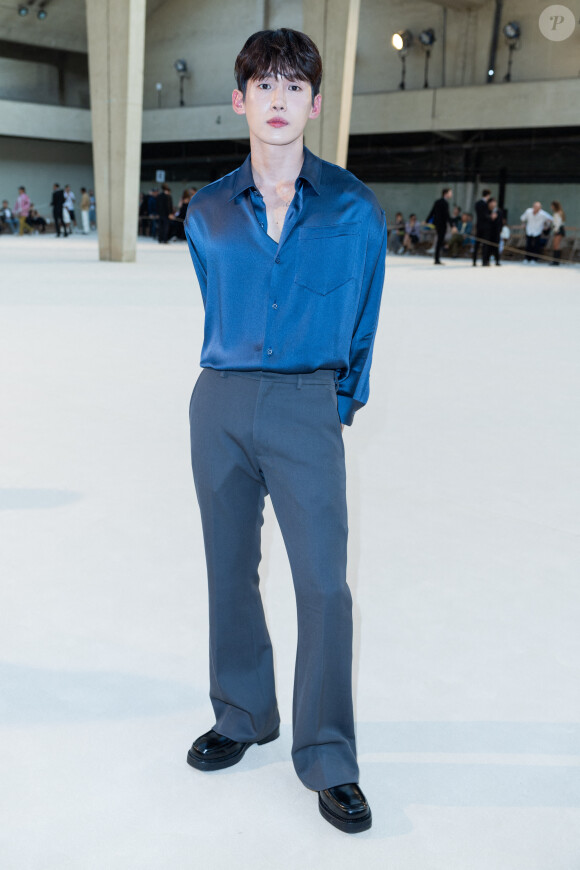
x: 254, y: 433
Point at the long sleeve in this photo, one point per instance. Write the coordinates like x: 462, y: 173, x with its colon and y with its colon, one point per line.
x: 198, y: 259
x: 353, y: 391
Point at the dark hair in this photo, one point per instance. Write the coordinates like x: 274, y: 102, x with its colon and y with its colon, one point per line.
x: 445, y: 190
x: 283, y: 52
x: 83, y: 190
x: 558, y: 209
x: 485, y: 192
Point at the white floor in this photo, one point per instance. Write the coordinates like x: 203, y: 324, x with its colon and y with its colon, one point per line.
x: 464, y: 474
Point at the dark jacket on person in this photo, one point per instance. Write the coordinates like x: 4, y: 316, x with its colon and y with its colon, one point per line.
x: 439, y: 214
x: 164, y: 205
x: 57, y: 201
x: 482, y: 218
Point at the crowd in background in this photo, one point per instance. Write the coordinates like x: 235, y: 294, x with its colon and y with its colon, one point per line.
x: 458, y: 234
x: 23, y: 217
x: 159, y: 219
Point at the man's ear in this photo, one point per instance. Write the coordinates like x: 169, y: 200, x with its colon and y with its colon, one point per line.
x: 316, y: 105
x: 238, y: 103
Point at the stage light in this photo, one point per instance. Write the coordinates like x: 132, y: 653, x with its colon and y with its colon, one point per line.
x: 427, y: 37
x: 22, y: 11
x: 402, y: 41
x: 512, y: 31
x: 41, y: 14
x: 182, y: 72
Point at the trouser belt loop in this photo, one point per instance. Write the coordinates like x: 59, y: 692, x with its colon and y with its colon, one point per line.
x: 299, y: 384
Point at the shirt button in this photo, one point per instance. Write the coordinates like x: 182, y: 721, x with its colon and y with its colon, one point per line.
x: 274, y: 305
x: 269, y: 351
x: 277, y: 260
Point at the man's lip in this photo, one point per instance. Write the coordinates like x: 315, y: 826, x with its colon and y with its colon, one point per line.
x: 278, y: 122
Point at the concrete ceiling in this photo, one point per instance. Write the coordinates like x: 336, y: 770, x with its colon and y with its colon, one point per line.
x: 460, y: 4
x: 65, y: 26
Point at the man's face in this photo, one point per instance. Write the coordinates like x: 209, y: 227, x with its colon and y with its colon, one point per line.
x: 536, y: 207
x: 449, y: 195
x: 277, y: 108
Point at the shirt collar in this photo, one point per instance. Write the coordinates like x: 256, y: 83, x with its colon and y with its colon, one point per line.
x: 310, y: 172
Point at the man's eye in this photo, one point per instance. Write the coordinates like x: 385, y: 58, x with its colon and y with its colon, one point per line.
x: 295, y: 88
x: 264, y: 86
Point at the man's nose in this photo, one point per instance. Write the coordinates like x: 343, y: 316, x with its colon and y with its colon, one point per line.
x: 278, y: 97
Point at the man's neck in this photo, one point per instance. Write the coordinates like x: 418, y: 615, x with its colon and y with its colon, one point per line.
x: 275, y: 165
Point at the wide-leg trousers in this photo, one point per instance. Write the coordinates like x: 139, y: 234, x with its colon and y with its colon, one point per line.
x: 254, y: 434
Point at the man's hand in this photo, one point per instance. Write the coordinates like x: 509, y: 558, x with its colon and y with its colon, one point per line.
x: 341, y: 426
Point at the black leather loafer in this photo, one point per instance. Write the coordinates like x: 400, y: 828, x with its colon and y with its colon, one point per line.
x: 345, y: 807
x: 213, y: 751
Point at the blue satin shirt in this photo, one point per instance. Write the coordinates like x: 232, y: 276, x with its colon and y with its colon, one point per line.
x: 310, y: 301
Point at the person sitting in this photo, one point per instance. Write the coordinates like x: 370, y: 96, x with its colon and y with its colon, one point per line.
x: 397, y: 235
x: 462, y: 237
x: 7, y: 219
x: 412, y: 234
x: 36, y: 221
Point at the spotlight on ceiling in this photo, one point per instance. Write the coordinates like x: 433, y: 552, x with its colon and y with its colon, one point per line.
x: 402, y: 41
x: 182, y: 72
x: 22, y: 11
x: 41, y: 14
x: 512, y: 31
x: 180, y: 66
x: 427, y: 37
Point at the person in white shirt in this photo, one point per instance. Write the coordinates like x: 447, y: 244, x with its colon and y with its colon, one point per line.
x: 534, y: 219
x: 69, y: 203
x: 559, y: 218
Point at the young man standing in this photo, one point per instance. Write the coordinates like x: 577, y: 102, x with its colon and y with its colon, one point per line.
x: 440, y: 217
x: 289, y: 251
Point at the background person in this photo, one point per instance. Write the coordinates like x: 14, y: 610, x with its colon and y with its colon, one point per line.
x: 57, y: 205
x: 21, y: 210
x: 7, y: 217
x: 534, y: 220
x: 440, y: 218
x: 69, y: 204
x: 559, y: 219
x: 85, y: 209
x: 481, y: 223
x: 397, y: 235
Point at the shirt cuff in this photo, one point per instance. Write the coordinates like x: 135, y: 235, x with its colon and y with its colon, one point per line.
x: 347, y: 408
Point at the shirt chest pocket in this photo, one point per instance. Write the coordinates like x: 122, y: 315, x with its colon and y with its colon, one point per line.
x: 326, y: 257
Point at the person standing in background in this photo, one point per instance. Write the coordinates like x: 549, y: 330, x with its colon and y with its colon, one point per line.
x: 492, y: 233
x: 92, y: 211
x: 558, y: 218
x: 69, y: 203
x: 164, y: 210
x: 21, y: 210
x: 85, y: 208
x: 57, y: 205
x: 534, y: 219
x: 439, y: 216
x: 481, y: 223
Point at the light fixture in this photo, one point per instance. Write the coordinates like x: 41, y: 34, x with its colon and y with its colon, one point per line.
x: 427, y: 38
x: 158, y: 88
x: 41, y: 14
x: 512, y: 32
x: 22, y: 11
x: 181, y: 69
x: 402, y: 42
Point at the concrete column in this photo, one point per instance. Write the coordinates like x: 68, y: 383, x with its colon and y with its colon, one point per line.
x: 116, y: 37
x: 333, y: 25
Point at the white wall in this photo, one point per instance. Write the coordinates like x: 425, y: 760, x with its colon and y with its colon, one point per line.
x: 38, y: 165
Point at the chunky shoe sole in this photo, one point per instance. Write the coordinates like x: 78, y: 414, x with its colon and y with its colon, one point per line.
x: 349, y: 826
x: 220, y: 764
